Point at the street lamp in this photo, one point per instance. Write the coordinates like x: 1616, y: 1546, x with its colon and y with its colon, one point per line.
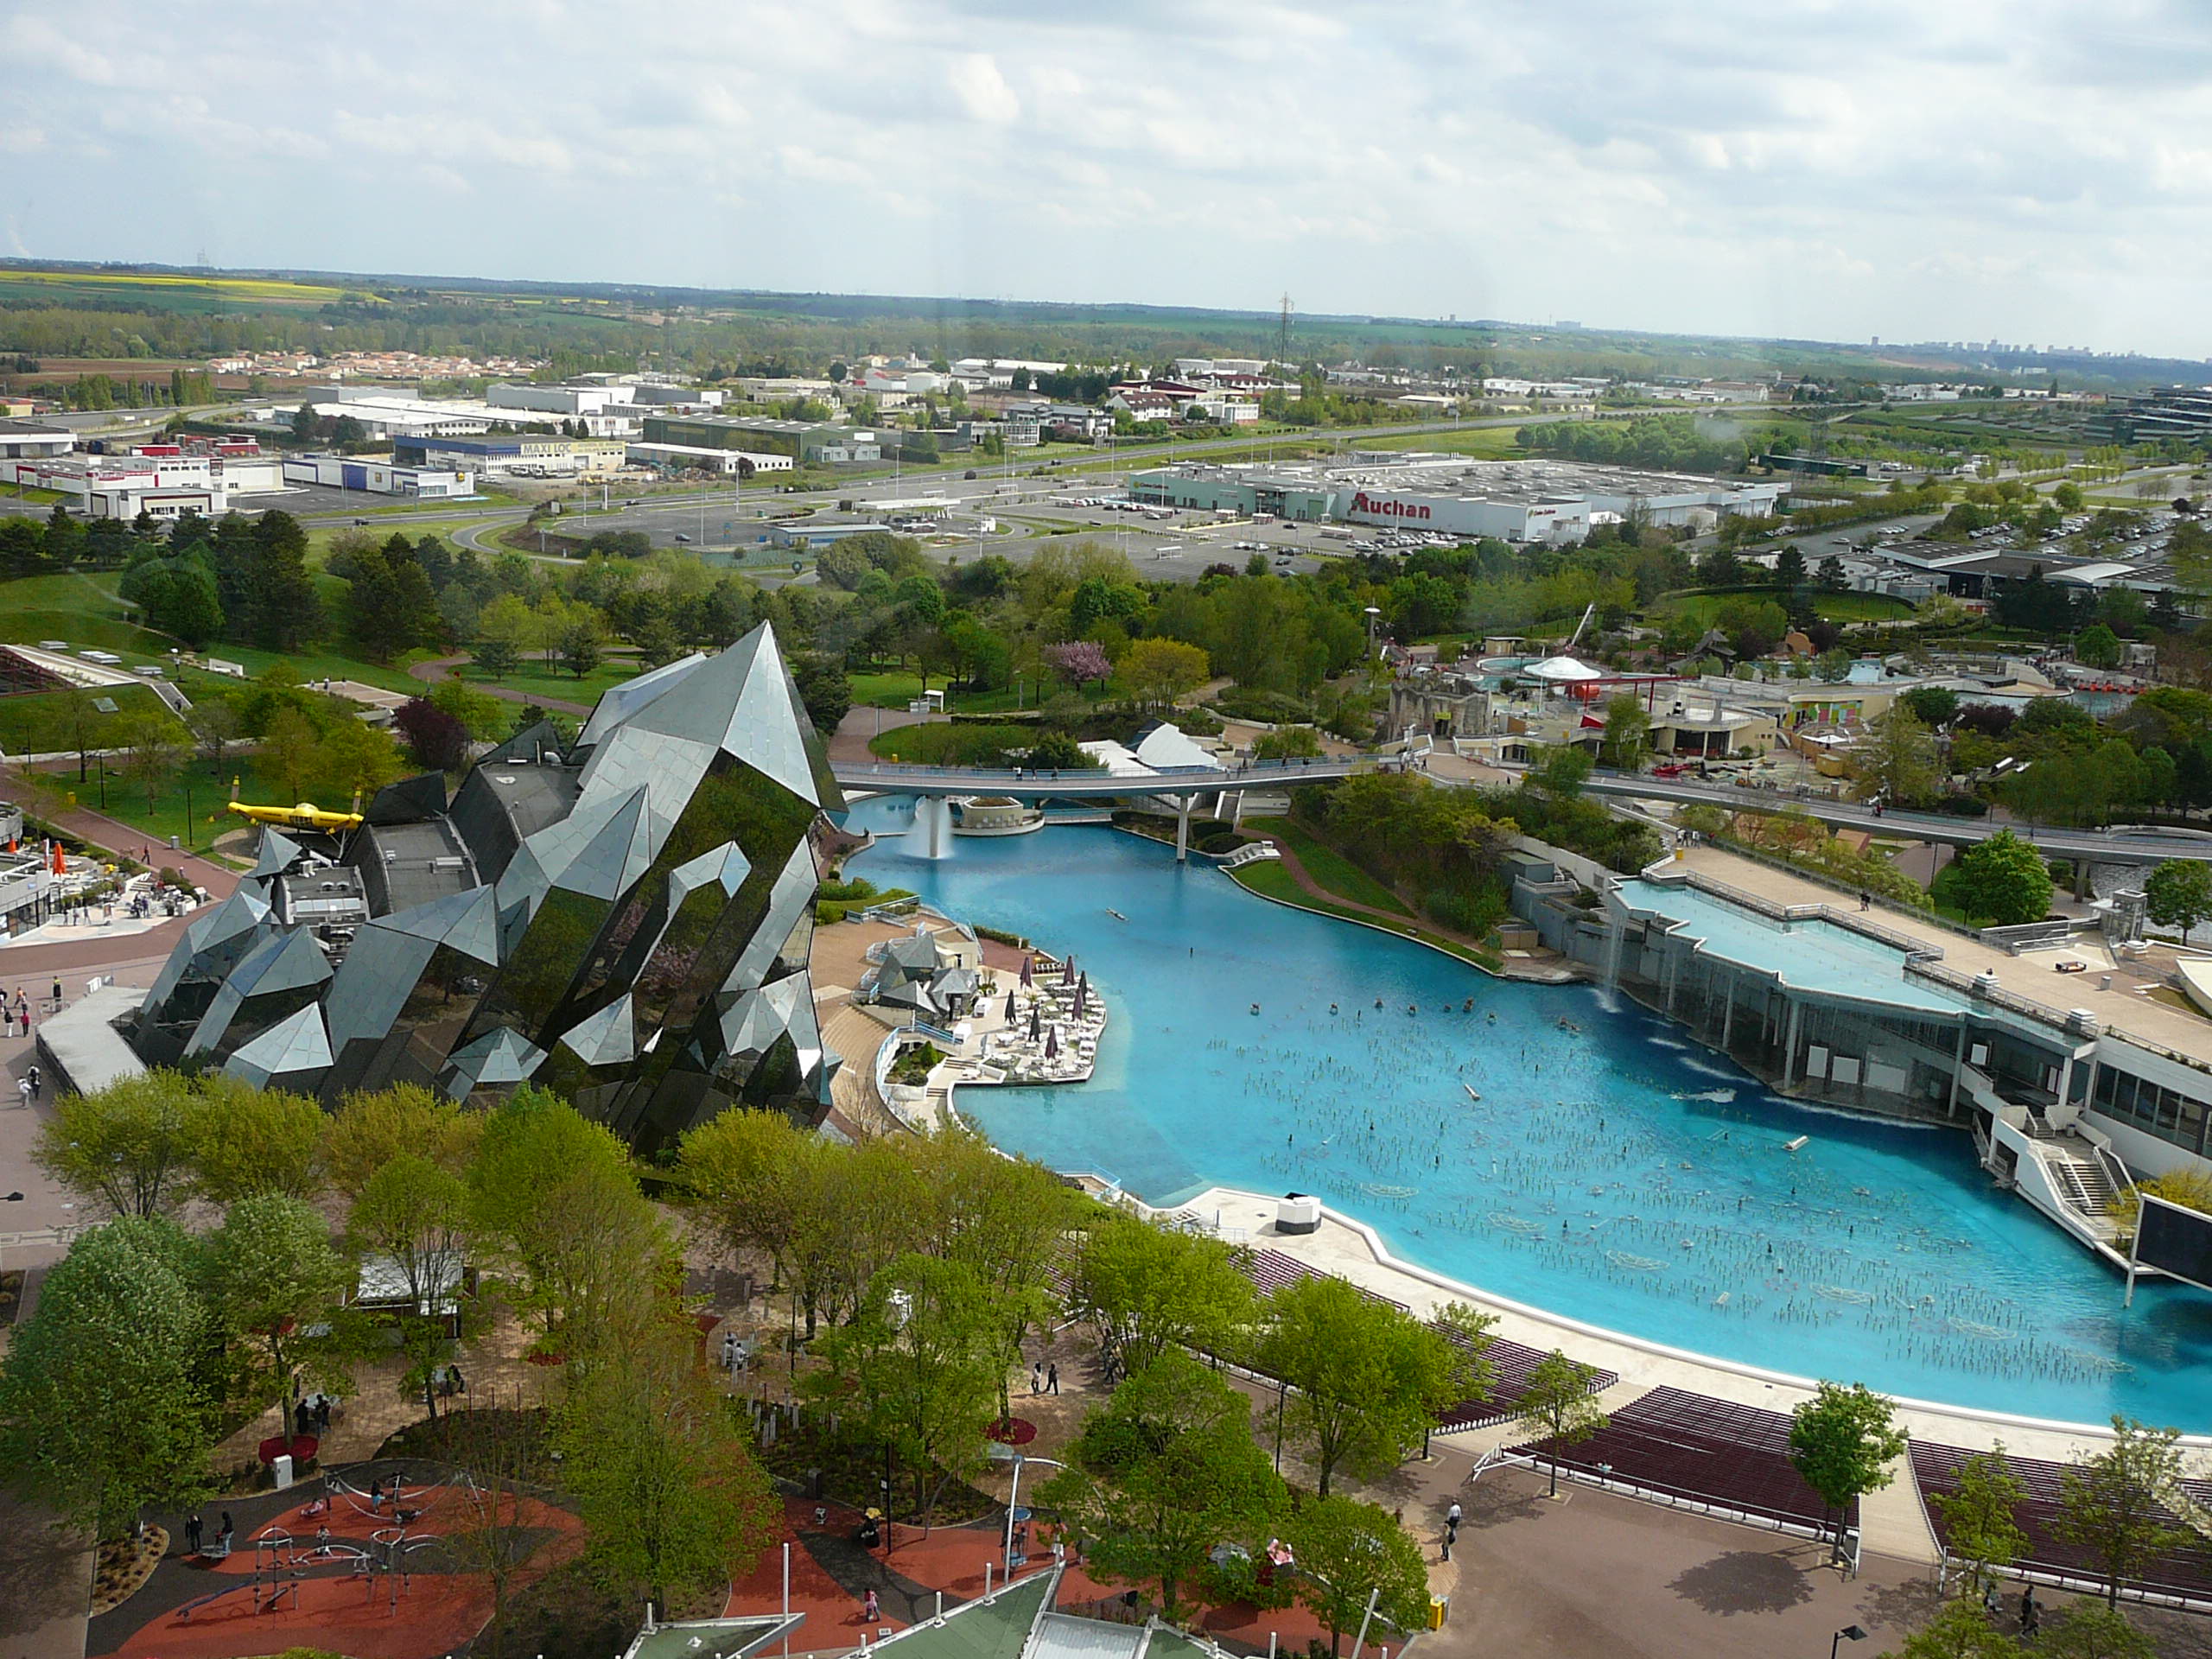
x: 1848, y: 1633
x: 1013, y: 1504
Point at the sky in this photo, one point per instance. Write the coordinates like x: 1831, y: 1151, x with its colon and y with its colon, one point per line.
x: 2029, y: 171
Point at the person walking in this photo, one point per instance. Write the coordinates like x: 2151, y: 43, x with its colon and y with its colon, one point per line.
x: 1036, y: 1378
x: 2030, y: 1614
x: 37, y: 1083
x: 23, y: 1089
x: 222, y: 1538
x: 871, y: 1609
x: 1052, y: 1377
x: 57, y: 992
x: 192, y: 1533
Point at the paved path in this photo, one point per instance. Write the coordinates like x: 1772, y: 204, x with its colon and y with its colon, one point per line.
x: 439, y: 671
x: 97, y: 829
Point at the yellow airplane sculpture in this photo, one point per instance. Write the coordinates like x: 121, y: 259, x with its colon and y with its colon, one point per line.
x: 306, y: 815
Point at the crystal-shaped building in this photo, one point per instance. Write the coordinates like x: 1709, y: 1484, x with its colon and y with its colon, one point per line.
x: 624, y: 920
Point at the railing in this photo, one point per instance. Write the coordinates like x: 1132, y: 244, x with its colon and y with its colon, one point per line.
x: 1997, y: 996
x: 935, y: 1033
x: 1253, y: 853
x: 1912, y: 946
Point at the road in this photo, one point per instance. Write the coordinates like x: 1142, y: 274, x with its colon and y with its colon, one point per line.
x: 2099, y: 846
x: 886, y: 778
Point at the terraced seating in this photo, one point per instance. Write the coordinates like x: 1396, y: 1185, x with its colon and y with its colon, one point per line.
x: 1697, y: 1453
x: 2183, y: 1575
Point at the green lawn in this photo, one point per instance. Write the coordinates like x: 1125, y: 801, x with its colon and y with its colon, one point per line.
x: 1332, y: 869
x: 1704, y: 608
x: 78, y: 607
x: 312, y: 665
x: 1267, y: 878
x: 1492, y: 442
x: 894, y: 688
x: 540, y: 680
x: 207, y: 787
x: 34, y: 721
x: 943, y: 744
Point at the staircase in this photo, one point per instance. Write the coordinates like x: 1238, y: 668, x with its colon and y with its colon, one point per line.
x: 2081, y: 1180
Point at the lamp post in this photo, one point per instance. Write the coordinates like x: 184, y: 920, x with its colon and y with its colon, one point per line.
x: 1013, y: 1504
x: 1848, y: 1633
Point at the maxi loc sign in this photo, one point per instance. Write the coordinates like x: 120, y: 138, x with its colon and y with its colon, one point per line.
x: 1383, y: 507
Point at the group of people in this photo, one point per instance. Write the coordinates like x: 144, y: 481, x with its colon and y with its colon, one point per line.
x: 195, y: 1532
x: 30, y: 1085
x: 15, y: 1011
x: 1044, y: 1379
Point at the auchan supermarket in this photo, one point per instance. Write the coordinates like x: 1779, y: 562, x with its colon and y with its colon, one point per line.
x: 1513, y: 501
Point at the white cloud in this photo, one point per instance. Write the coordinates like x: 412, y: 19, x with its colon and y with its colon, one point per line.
x: 982, y: 91
x: 2029, y: 169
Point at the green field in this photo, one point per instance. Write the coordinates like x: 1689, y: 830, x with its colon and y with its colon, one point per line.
x: 896, y: 688
x: 165, y: 289
x: 538, y: 680
x: 1270, y: 880
x: 1332, y: 869
x: 206, y: 786
x: 946, y: 745
x: 33, y: 722
x: 1490, y: 442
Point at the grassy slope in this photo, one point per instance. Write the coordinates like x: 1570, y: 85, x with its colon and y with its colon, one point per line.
x: 1337, y: 873
x: 1270, y: 880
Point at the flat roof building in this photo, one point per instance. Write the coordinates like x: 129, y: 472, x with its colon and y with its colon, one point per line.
x: 806, y: 442
x: 1514, y: 500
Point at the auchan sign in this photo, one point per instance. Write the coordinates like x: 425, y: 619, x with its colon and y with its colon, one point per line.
x: 1363, y: 502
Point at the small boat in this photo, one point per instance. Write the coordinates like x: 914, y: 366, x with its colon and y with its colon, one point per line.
x: 1471, y: 1094
x: 1256, y: 1007
x: 1117, y: 915
x: 1792, y: 1146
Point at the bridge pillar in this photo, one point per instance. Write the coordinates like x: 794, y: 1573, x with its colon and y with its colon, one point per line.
x: 1183, y: 829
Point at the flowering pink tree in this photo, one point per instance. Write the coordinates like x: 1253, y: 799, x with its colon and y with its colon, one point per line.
x: 1078, y: 661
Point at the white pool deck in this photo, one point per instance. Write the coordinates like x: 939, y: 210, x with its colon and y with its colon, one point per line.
x: 1892, y: 1521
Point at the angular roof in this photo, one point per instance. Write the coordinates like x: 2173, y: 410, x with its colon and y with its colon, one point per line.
x: 291, y: 1053
x: 498, y: 1057
x: 607, y: 1037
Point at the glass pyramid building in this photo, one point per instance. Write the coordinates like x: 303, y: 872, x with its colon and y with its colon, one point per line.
x: 624, y: 920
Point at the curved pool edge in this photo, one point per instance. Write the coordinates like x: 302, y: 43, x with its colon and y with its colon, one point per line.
x: 1391, y: 1261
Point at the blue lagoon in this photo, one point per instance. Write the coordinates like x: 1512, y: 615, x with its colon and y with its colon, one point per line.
x: 1613, y: 1172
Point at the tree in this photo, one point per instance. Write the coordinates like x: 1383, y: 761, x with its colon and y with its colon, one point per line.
x: 1960, y: 1630
x: 1057, y: 752
x: 355, y: 759
x: 823, y: 692
x: 1979, y: 1524
x: 1367, y: 1380
x: 2113, y: 1506
x: 1347, y: 1551
x: 282, y: 611
x: 1789, y: 569
x: 1078, y: 661
x: 289, y: 754
x: 580, y: 646
x: 369, y: 1130
x: 919, y: 1368
x: 245, y: 1142
x: 415, y: 1215
x: 1558, y: 1407
x: 436, y: 740
x: 102, y: 1407
x: 1832, y: 666
x: 1145, y: 1290
x: 2178, y: 895
x: 2097, y: 646
x: 1286, y: 743
x: 129, y: 1144
x: 1897, y: 761
x: 1157, y: 671
x: 78, y: 725
x: 272, y: 1278
x: 2085, y: 1630
x: 214, y: 727
x: 1559, y: 770
x: 1164, y: 1472
x: 152, y: 749
x: 1627, y: 741
x: 2005, y: 878
x: 760, y: 1183
x: 1842, y: 1441
x: 668, y: 1492
x: 553, y: 1196
x: 1830, y: 577
x: 496, y: 657
x: 1932, y: 705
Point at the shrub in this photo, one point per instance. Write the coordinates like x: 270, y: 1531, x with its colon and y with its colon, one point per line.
x: 1217, y: 845
x: 827, y: 914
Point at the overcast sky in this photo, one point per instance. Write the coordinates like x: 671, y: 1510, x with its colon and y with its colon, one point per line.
x: 2035, y: 171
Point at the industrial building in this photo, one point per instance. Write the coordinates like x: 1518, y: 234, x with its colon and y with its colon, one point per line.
x: 1552, y: 501
x: 810, y: 442
x: 378, y: 477
x: 34, y: 441
x: 165, y: 485
x: 514, y: 451
x: 698, y: 458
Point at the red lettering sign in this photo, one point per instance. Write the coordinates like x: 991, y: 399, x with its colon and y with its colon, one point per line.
x: 1363, y: 502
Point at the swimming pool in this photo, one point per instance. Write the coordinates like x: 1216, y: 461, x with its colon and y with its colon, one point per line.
x: 1613, y: 1170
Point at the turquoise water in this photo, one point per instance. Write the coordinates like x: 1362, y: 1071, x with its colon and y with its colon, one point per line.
x: 1613, y: 1170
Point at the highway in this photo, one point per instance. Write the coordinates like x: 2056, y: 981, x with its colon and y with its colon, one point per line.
x: 2098, y: 846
